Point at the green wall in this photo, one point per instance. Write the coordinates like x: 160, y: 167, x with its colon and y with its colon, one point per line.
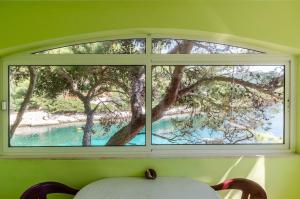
x: 271, y: 20
x: 297, y: 100
x: 277, y: 174
x: 278, y: 22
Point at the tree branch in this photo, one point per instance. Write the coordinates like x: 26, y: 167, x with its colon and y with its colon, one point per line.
x: 24, y: 104
x: 172, y: 92
x: 261, y: 88
x: 92, y: 92
x: 64, y: 74
x: 125, y: 134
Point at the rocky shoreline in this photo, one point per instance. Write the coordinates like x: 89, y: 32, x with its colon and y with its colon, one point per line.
x: 43, y: 119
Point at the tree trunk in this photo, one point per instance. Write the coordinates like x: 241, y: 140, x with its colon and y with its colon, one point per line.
x: 28, y: 95
x: 128, y: 132
x: 171, y: 94
x: 88, y: 128
x: 86, y: 100
x: 137, y: 122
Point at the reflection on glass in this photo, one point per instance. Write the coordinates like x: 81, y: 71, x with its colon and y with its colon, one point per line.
x: 77, y: 105
x: 181, y: 46
x: 217, y: 105
x: 120, y: 46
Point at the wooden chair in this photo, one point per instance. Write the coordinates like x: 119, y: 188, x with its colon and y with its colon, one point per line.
x: 41, y: 190
x: 249, y: 188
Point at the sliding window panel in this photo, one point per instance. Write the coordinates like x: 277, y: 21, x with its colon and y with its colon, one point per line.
x: 98, y: 105
x: 217, y: 105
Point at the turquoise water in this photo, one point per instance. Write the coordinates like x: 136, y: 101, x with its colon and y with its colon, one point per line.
x: 273, y: 134
x: 71, y: 135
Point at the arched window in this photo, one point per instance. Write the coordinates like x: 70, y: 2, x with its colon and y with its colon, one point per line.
x: 119, y: 46
x: 141, y: 95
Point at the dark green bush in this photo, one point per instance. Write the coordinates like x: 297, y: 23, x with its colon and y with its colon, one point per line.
x: 61, y: 105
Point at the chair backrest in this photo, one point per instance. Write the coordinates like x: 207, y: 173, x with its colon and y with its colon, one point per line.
x: 249, y: 188
x: 40, y: 191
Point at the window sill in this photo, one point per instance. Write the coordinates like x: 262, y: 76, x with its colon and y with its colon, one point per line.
x: 164, y: 154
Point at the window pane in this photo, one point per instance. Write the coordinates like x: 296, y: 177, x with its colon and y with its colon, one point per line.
x: 77, y: 105
x: 120, y: 46
x: 181, y: 46
x: 217, y: 105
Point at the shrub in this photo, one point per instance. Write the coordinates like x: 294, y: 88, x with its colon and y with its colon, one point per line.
x: 61, y: 105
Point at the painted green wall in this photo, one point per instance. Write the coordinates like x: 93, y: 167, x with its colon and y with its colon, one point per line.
x: 278, y: 175
x: 297, y: 100
x: 271, y: 20
x: 278, y: 22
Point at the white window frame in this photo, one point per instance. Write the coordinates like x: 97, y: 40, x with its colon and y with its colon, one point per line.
x: 148, y: 59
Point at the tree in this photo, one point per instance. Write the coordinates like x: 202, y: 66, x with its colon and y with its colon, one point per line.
x: 201, y: 89
x: 180, y: 90
x: 89, y: 83
x: 138, y: 119
x: 219, y: 98
x: 27, y: 98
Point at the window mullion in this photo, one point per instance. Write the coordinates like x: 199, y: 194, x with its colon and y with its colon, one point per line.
x: 148, y: 91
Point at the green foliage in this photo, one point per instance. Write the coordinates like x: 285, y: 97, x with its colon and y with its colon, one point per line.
x: 223, y: 106
x: 111, y: 82
x: 61, y: 105
x: 122, y: 46
x: 115, y: 79
x: 49, y: 84
x: 17, y: 93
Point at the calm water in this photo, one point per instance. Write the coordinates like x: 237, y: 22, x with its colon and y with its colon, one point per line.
x: 71, y: 135
x: 273, y: 134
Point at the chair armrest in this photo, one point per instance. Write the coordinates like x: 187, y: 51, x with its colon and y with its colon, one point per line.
x: 248, y: 187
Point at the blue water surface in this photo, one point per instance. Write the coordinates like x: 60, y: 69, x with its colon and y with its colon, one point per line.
x: 71, y: 134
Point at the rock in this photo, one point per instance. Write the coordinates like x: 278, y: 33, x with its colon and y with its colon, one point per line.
x: 44, y: 122
x: 66, y: 119
x: 79, y: 117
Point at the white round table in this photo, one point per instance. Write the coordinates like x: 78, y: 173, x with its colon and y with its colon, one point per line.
x: 140, y: 188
